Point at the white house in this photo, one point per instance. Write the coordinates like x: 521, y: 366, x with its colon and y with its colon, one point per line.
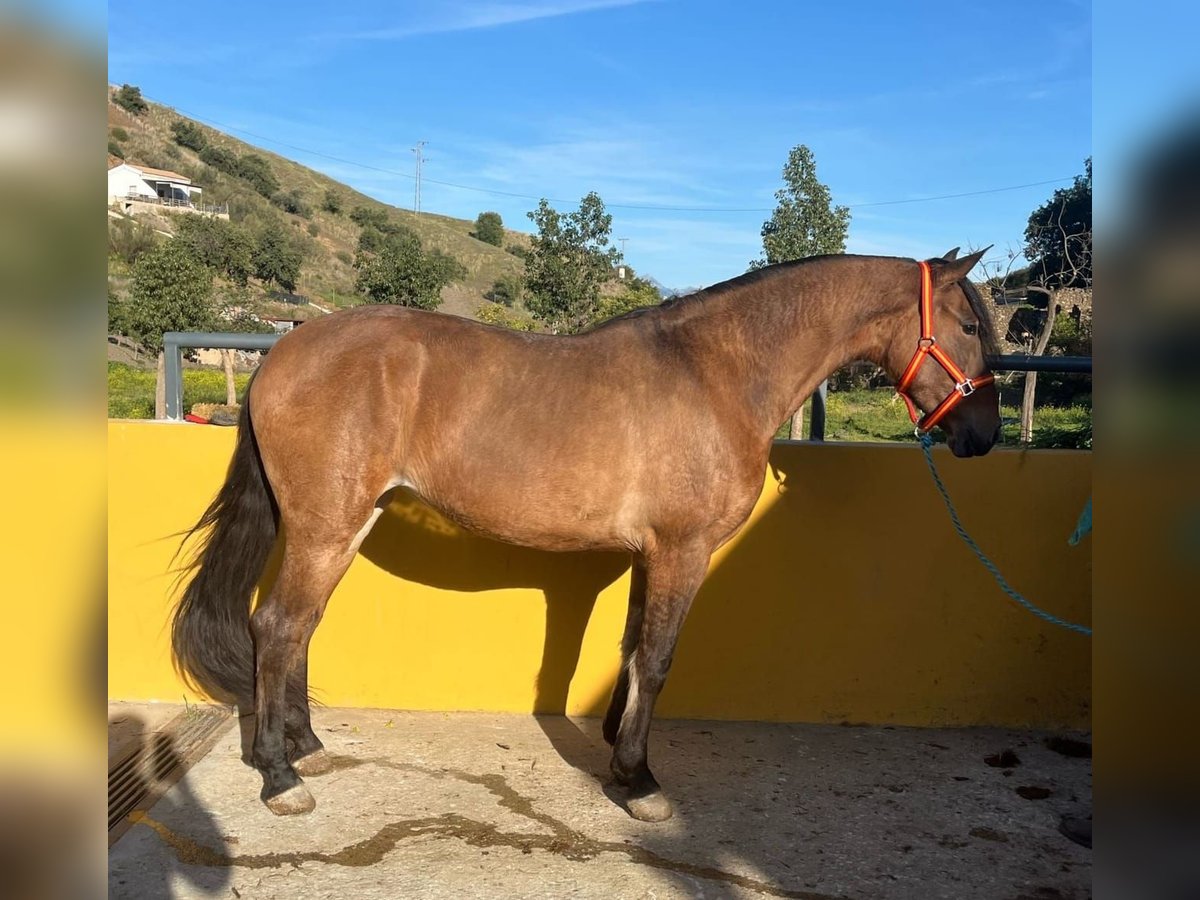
x: 128, y: 182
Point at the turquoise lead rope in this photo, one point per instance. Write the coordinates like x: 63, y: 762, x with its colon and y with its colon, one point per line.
x: 926, y: 447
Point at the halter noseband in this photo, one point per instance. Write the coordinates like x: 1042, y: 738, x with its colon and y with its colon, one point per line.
x: 927, y: 346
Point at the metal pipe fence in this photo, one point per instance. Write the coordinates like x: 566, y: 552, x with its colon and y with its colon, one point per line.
x: 174, y: 343
x: 1015, y: 362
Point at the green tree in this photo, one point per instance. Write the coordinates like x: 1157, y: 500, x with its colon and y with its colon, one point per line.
x: 256, y: 170
x: 637, y: 293
x: 489, y: 228
x: 401, y: 272
x: 332, y: 203
x: 570, y: 259
x: 189, y: 134
x: 805, y: 221
x: 1058, y: 238
x: 276, y: 258
x: 221, y: 245
x: 170, y: 290
x: 370, y: 240
x: 129, y: 98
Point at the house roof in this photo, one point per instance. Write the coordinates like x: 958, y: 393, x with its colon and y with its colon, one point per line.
x: 155, y: 174
x: 163, y: 174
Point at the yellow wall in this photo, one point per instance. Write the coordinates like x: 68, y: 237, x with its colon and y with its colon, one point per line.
x: 847, y: 597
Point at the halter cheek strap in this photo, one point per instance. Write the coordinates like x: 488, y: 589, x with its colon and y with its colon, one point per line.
x: 927, y: 347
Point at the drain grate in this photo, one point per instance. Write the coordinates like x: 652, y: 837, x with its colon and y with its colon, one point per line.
x: 150, y: 769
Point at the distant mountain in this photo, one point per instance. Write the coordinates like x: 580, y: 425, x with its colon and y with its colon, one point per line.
x: 668, y: 292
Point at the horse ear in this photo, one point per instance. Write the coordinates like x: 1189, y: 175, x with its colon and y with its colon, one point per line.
x: 948, y: 271
x: 951, y: 255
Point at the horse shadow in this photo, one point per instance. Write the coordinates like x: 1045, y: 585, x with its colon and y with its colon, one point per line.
x: 414, y: 542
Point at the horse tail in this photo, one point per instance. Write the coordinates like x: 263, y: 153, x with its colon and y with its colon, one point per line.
x: 210, y: 631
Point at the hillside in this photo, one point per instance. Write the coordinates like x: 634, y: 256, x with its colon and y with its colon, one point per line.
x: 327, y: 276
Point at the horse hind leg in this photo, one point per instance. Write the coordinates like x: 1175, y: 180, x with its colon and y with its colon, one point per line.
x: 283, y: 625
x: 629, y: 642
x: 672, y: 579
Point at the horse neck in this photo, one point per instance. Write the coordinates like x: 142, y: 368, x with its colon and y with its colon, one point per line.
x: 785, y: 331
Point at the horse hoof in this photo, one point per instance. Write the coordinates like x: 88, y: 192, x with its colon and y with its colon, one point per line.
x: 316, y: 763
x: 651, y: 808
x: 294, y: 801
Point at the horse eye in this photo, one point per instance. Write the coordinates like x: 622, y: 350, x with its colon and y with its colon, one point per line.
x: 971, y: 328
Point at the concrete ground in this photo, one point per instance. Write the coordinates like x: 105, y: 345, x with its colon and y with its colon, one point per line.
x: 480, y: 805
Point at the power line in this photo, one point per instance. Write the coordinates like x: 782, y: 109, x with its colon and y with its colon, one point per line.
x: 629, y: 206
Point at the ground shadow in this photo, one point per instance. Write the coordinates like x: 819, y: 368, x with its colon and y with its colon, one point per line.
x: 147, y: 787
x: 416, y: 543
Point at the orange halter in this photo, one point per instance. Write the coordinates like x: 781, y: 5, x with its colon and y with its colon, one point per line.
x: 927, y: 346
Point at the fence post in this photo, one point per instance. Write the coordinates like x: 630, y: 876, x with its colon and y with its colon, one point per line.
x: 173, y: 374
x: 816, y: 420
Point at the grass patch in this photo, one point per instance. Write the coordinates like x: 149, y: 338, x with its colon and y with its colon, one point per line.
x: 131, y: 390
x: 879, y: 415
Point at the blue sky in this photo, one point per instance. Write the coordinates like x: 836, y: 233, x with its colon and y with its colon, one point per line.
x: 690, y: 107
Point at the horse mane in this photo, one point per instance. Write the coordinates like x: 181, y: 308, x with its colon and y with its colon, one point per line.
x: 987, y: 329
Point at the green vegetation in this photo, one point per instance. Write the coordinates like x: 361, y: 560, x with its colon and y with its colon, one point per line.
x: 118, y: 133
x: 507, y: 290
x: 115, y: 149
x: 131, y: 390
x: 276, y: 257
x: 400, y: 271
x: 495, y: 314
x: 879, y: 415
x: 489, y: 228
x: 805, y: 221
x: 570, y: 260
x: 332, y: 203
x: 130, y: 99
x: 1059, y: 235
x: 222, y: 246
x: 170, y: 291
x: 189, y: 134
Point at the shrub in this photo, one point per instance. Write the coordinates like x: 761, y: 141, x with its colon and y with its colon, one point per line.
x: 371, y: 218
x: 507, y: 290
x: 292, y: 202
x: 115, y: 149
x: 118, y: 133
x: 313, y: 229
x: 332, y: 202
x: 256, y: 170
x: 495, y: 314
x: 518, y: 251
x: 220, y: 158
x: 489, y: 228
x: 189, y: 134
x: 129, y: 98
x: 344, y: 256
x: 128, y: 239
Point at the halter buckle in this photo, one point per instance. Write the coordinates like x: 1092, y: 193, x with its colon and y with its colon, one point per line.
x: 966, y: 387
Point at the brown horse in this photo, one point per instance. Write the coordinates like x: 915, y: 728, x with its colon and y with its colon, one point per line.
x: 648, y: 434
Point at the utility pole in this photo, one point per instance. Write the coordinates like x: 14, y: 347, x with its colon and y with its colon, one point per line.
x: 621, y: 267
x: 622, y: 240
x: 417, y: 197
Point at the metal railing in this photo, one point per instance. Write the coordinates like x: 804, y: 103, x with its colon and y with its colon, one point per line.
x: 221, y: 209
x: 174, y: 343
x: 1016, y: 362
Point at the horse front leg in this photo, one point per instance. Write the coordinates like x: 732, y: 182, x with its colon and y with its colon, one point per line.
x: 672, y: 578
